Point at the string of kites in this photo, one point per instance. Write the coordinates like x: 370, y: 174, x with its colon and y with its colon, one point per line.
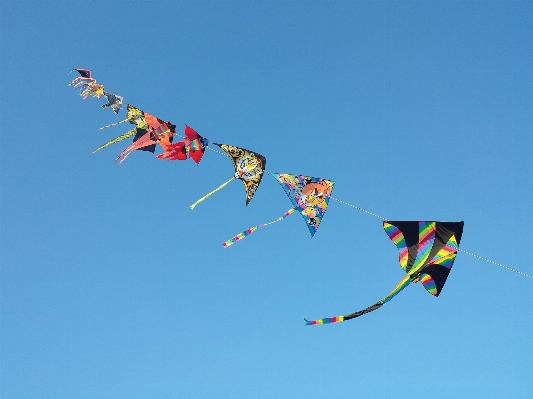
x: 427, y: 249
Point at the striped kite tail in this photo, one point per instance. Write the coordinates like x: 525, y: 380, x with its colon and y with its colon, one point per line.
x: 245, y: 233
x: 326, y: 320
x: 404, y: 282
x: 113, y: 124
x: 337, y: 319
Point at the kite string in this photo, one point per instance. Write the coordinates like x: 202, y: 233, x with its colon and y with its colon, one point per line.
x: 358, y: 208
x: 494, y: 263
x: 462, y: 250
x: 372, y: 214
x: 218, y: 152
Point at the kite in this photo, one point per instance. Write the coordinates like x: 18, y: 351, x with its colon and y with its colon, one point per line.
x: 249, y: 168
x: 427, y: 252
x: 159, y: 132
x: 87, y: 84
x: 114, y: 101
x: 142, y: 121
x: 309, y: 196
x: 193, y: 146
x: 84, y: 73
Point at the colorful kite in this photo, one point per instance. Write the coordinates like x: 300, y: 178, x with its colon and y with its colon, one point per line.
x: 309, y: 196
x: 114, y: 101
x: 160, y: 132
x: 86, y: 84
x: 193, y: 147
x: 142, y: 121
x: 249, y: 168
x: 427, y: 252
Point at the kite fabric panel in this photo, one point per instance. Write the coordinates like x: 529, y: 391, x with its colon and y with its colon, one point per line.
x: 427, y: 251
x: 84, y: 73
x: 249, y: 168
x: 309, y: 195
x: 193, y: 146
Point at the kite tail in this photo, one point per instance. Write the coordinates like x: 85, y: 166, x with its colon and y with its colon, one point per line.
x: 328, y: 320
x: 113, y: 124
x: 245, y: 233
x: 117, y: 139
x: 338, y: 319
x: 212, y: 192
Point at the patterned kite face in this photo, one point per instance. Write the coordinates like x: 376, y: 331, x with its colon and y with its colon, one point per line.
x: 249, y: 168
x: 309, y: 195
x: 427, y: 250
x: 135, y: 116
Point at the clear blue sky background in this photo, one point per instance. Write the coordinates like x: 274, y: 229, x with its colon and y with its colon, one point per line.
x: 111, y: 287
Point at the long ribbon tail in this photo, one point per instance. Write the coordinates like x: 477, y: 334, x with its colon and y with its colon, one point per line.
x: 212, y: 192
x: 81, y: 81
x: 143, y: 142
x: 117, y: 139
x: 337, y: 319
x: 245, y: 233
x: 113, y: 124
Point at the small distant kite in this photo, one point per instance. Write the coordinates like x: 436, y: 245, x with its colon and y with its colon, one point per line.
x: 249, y: 168
x: 309, y: 196
x: 136, y: 117
x: 114, y: 101
x: 86, y: 84
x: 193, y: 147
x: 427, y: 252
x: 84, y: 73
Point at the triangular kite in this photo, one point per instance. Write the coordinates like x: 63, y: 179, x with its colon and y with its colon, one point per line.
x: 309, y: 196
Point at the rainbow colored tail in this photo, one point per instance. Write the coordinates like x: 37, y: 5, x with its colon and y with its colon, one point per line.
x: 326, y: 320
x: 245, y: 233
x: 337, y: 319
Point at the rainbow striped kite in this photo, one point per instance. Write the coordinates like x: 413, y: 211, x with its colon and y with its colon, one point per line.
x: 427, y: 252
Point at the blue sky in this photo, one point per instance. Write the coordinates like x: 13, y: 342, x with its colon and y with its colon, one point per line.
x: 111, y: 287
